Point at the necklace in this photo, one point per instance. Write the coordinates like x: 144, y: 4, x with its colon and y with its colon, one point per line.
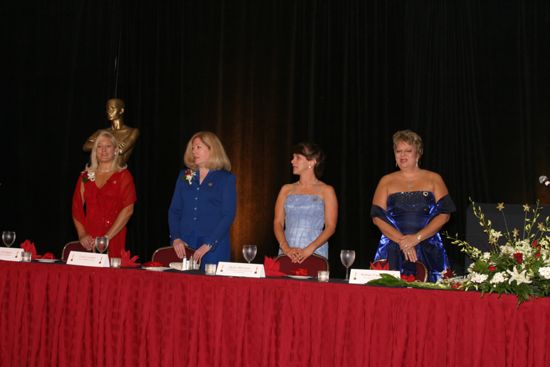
x: 104, y: 171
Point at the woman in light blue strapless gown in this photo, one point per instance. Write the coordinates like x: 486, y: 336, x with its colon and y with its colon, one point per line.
x: 409, y: 207
x: 306, y: 211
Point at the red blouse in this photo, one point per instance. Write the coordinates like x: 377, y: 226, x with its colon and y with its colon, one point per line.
x: 97, y: 208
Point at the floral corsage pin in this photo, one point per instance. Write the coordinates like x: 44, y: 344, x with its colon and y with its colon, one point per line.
x: 89, y: 176
x: 188, y: 176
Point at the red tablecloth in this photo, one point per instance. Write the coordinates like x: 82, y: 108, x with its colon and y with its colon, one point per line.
x: 64, y: 315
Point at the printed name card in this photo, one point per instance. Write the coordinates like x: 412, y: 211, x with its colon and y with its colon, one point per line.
x: 232, y: 269
x: 88, y: 259
x: 363, y: 276
x: 11, y: 254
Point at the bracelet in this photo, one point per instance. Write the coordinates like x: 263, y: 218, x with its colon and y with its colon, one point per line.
x: 419, y: 237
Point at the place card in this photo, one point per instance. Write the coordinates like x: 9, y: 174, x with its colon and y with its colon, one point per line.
x: 232, y: 269
x: 88, y: 259
x: 11, y: 254
x: 363, y: 276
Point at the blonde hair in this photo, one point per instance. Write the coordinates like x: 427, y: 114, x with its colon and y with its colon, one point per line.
x: 217, y: 159
x: 116, y: 164
x: 409, y: 137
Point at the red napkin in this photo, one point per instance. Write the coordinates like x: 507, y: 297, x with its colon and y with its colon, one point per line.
x: 272, y: 268
x: 152, y: 264
x: 28, y: 246
x: 380, y: 265
x: 47, y: 255
x: 301, y: 271
x: 408, y: 277
x: 128, y: 261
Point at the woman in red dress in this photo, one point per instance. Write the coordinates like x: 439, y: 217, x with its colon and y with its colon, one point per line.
x: 103, y: 200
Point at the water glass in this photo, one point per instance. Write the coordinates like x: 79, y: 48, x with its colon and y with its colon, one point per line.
x: 101, y: 244
x: 249, y: 252
x: 26, y: 257
x: 115, y: 262
x: 8, y: 237
x: 195, y: 265
x: 210, y: 269
x: 347, y: 257
x: 323, y: 275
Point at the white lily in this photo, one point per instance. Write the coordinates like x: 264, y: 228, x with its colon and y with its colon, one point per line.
x: 518, y: 277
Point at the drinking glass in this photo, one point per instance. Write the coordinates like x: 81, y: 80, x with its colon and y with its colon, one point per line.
x: 8, y: 237
x: 249, y: 252
x: 101, y: 244
x: 347, y: 257
x: 115, y: 262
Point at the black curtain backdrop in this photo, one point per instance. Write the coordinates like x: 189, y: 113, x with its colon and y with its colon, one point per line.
x: 472, y: 77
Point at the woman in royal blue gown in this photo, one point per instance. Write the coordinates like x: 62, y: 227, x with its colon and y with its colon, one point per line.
x: 409, y: 207
x: 204, y: 202
x: 306, y: 211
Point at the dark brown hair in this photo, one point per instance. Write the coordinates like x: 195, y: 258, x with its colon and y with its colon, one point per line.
x: 312, y: 151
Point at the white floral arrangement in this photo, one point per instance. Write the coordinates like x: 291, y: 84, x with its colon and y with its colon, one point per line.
x: 517, y: 263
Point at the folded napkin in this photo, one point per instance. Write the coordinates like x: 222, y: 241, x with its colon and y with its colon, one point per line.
x: 28, y: 246
x: 128, y: 261
x: 301, y: 272
x: 152, y: 264
x: 409, y: 278
x: 272, y: 268
x: 380, y: 265
x: 47, y: 255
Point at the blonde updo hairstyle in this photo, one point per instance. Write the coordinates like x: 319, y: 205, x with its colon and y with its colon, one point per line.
x: 409, y: 137
x: 218, y: 158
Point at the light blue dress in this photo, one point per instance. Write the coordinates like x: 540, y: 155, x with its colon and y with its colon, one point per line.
x: 304, y: 221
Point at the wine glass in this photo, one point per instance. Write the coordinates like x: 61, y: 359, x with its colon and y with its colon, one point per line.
x: 101, y: 244
x: 249, y: 252
x: 347, y: 257
x: 8, y: 237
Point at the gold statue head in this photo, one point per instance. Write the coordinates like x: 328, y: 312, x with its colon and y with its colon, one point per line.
x: 115, y: 109
x: 116, y: 162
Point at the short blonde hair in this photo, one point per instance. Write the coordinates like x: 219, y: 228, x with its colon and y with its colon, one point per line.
x: 117, y: 161
x: 217, y: 160
x: 409, y: 137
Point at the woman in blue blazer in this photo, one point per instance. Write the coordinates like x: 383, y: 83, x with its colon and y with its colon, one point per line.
x: 204, y: 201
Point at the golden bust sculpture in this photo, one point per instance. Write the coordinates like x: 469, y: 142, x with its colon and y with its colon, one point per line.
x: 125, y: 135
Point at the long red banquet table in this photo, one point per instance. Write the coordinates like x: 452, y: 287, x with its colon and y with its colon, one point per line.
x: 61, y: 315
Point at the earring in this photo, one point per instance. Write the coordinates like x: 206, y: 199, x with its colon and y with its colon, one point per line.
x: 309, y: 166
x: 417, y: 163
x: 395, y: 163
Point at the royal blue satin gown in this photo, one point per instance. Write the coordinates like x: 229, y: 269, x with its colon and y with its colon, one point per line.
x: 304, y: 221
x: 409, y: 212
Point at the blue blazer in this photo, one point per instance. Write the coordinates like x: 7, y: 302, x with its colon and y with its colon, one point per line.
x: 203, y: 213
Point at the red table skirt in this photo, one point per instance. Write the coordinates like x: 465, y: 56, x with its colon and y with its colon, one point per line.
x: 62, y: 315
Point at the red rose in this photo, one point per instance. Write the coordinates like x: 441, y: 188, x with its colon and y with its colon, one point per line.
x: 455, y: 285
x: 535, y: 244
x: 448, y: 274
x: 492, y: 268
x: 518, y: 256
x: 537, y: 254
